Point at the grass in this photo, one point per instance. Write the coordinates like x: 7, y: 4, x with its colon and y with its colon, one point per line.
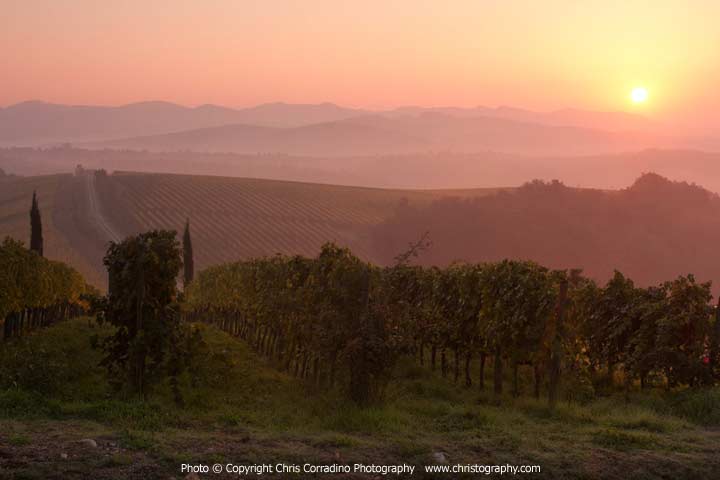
x: 18, y: 440
x: 254, y: 413
x: 623, y: 440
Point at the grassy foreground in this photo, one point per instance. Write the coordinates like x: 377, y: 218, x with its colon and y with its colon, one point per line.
x: 58, y: 419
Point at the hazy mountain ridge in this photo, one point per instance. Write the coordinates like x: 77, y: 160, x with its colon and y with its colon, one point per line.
x: 380, y: 134
x: 35, y: 122
x: 441, y: 170
x: 611, y: 121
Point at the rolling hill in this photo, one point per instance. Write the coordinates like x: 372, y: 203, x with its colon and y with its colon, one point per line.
x: 322, y: 139
x: 653, y: 231
x: 379, y: 134
x: 231, y: 218
x: 443, y: 170
x: 15, y: 198
x: 235, y: 218
x: 405, y: 129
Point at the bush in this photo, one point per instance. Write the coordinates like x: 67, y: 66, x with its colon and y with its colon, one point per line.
x: 32, y: 367
x: 699, y: 406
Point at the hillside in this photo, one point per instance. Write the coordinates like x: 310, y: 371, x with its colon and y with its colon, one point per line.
x: 59, y: 242
x: 652, y: 231
x: 244, y: 411
x: 380, y: 134
x: 231, y: 218
x: 442, y: 170
x: 234, y: 218
x: 322, y: 139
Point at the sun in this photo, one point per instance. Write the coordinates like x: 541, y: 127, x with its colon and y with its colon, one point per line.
x: 639, y: 95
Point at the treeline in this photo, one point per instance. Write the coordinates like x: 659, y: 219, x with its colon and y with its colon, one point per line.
x: 338, y: 321
x: 36, y: 292
x: 652, y: 231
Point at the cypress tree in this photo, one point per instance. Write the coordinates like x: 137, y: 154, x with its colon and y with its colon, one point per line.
x: 189, y: 265
x: 36, y: 238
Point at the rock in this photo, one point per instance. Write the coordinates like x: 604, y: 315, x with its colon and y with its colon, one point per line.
x: 439, y: 457
x: 64, y: 456
x: 88, y: 442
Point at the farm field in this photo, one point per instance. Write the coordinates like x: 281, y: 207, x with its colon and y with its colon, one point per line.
x: 15, y: 198
x: 240, y: 218
x: 231, y: 218
x: 249, y: 413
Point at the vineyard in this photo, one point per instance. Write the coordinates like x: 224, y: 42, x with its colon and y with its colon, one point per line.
x: 333, y: 359
x: 234, y: 218
x: 35, y: 292
x: 334, y: 317
x: 239, y: 218
x: 328, y: 356
x: 15, y: 196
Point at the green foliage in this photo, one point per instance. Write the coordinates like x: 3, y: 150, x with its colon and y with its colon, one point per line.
x: 683, y: 332
x: 151, y: 342
x: 620, y: 440
x: 335, y: 317
x: 422, y: 413
x: 36, y: 292
x: 664, y: 329
x: 32, y: 367
x: 701, y: 405
x: 324, y: 319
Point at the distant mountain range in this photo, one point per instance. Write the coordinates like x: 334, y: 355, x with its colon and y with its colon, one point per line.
x: 610, y: 121
x: 38, y: 122
x: 379, y: 134
x: 330, y: 130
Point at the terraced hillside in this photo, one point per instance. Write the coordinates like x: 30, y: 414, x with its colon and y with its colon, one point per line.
x: 234, y: 218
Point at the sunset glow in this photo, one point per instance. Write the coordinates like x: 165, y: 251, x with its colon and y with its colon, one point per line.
x: 639, y: 95
x: 373, y: 54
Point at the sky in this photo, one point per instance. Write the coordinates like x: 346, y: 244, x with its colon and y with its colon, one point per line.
x: 536, y: 54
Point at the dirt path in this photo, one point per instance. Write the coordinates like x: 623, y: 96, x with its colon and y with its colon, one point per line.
x: 95, y: 210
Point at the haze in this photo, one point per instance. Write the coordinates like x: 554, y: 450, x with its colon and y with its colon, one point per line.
x: 372, y: 54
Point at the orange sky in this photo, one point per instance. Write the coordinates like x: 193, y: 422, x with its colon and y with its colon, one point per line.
x: 539, y: 54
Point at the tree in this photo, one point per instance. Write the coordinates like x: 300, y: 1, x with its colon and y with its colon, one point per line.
x: 714, y: 360
x: 517, y: 301
x: 188, y: 262
x: 556, y: 347
x: 146, y: 347
x: 612, y: 324
x: 36, y: 238
x: 683, y: 332
x: 641, y: 357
